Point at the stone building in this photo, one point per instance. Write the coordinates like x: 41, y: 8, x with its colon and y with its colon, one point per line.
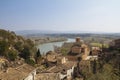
x: 76, y: 49
x: 79, y: 49
x: 59, y: 72
x: 95, y: 51
x: 23, y: 72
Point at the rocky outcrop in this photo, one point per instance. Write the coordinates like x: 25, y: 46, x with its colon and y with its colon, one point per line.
x: 51, y: 58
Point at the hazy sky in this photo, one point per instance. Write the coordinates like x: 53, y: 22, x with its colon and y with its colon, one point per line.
x: 61, y: 15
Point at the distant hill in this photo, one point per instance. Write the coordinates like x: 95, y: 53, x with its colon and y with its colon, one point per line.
x: 44, y: 32
x: 29, y: 32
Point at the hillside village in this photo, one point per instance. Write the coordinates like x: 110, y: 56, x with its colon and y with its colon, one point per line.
x: 59, y: 67
x: 70, y: 66
x: 73, y: 61
x: 80, y: 61
x: 59, y: 39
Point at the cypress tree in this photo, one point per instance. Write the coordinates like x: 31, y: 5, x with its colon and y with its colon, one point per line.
x: 38, y: 54
x: 94, y: 67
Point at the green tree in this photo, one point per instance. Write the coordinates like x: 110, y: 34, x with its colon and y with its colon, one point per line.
x: 12, y: 55
x: 30, y: 43
x: 25, y: 52
x: 94, y: 67
x: 38, y: 54
x: 30, y: 61
x: 4, y: 46
x: 18, y: 46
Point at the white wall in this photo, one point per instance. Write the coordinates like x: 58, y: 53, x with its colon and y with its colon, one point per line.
x: 31, y: 76
x: 68, y: 75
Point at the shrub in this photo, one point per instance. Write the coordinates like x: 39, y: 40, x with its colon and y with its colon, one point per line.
x: 12, y: 55
x: 30, y: 61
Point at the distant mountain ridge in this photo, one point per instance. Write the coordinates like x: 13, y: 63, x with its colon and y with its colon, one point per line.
x: 31, y: 32
x: 25, y: 32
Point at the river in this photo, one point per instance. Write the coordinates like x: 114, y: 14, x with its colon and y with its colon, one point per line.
x: 50, y: 46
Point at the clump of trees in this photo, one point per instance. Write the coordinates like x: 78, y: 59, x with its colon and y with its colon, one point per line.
x: 12, y: 55
x: 13, y: 46
x: 64, y: 51
x: 107, y: 67
x: 4, y: 46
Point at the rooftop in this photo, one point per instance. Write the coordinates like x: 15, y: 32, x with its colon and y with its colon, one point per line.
x: 60, y: 68
x: 16, y: 73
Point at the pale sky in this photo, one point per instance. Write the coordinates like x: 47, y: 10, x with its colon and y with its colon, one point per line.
x: 60, y: 15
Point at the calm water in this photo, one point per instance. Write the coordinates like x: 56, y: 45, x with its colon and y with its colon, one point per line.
x: 50, y: 46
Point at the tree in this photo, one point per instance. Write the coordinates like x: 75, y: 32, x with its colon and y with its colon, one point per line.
x: 25, y: 52
x: 3, y: 48
x: 38, y: 54
x: 12, y: 55
x: 30, y: 61
x: 18, y: 46
x: 30, y: 43
x: 94, y: 67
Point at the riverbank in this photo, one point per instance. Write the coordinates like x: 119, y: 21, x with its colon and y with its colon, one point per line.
x: 43, y: 40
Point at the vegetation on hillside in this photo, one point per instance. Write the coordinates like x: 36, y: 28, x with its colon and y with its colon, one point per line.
x: 99, y: 45
x: 107, y: 67
x: 13, y: 46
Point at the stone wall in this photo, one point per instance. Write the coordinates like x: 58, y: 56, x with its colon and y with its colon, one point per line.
x: 76, y: 49
x: 69, y: 74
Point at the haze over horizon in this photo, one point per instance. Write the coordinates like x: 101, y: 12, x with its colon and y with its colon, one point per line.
x: 60, y: 15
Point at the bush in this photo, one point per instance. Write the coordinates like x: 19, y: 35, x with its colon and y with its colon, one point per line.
x: 64, y: 51
x: 12, y: 55
x: 3, y: 48
x: 18, y: 46
x: 30, y: 61
x: 26, y: 52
